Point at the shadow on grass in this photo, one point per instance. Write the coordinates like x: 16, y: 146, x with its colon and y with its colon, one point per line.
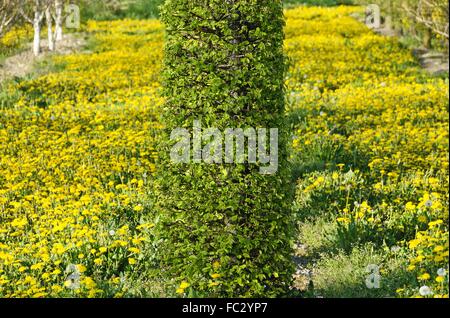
x: 346, y: 275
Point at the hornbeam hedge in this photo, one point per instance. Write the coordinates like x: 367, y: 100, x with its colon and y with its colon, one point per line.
x: 224, y: 229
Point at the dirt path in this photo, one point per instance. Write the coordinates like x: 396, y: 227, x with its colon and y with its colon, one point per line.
x: 433, y: 62
x: 23, y: 63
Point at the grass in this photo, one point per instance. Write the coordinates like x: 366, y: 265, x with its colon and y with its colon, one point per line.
x: 103, y: 11
x: 8, y: 97
x: 6, y: 52
x: 147, y: 9
x: 322, y: 3
x: 342, y: 274
x: 318, y: 236
x: 353, y: 275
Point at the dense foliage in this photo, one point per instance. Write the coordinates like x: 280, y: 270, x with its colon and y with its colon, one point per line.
x: 226, y: 228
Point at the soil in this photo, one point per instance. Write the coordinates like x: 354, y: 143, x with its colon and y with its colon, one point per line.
x: 434, y: 62
x: 21, y: 64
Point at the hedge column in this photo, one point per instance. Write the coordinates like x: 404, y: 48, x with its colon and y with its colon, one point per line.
x: 224, y: 229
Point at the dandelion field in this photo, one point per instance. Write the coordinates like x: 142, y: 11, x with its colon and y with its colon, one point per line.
x: 369, y: 155
x: 371, y: 145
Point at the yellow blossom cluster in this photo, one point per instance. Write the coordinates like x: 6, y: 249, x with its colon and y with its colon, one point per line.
x: 76, y: 159
x: 368, y: 115
x: 15, y: 37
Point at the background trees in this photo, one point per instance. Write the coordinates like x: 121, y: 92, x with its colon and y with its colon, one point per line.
x: 35, y: 12
x: 430, y: 14
x: 9, y: 11
x: 425, y: 20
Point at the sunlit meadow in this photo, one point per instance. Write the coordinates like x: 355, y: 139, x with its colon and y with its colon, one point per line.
x: 370, y: 152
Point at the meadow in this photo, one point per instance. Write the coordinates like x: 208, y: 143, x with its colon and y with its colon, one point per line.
x: 369, y: 155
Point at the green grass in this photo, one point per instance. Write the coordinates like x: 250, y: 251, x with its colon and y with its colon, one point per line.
x: 345, y: 275
x: 8, y: 97
x: 339, y: 263
x: 147, y: 9
x: 341, y: 274
x: 323, y: 3
x: 318, y: 236
x: 134, y: 9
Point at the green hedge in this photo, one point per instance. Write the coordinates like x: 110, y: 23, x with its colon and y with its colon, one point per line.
x: 225, y: 66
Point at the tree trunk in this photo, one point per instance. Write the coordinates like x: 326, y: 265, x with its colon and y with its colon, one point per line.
x: 37, y: 36
x: 51, y: 40
x: 428, y: 32
x: 427, y: 37
x: 389, y: 22
x: 59, y: 20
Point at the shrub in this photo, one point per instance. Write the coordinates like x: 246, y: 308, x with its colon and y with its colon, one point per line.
x: 119, y: 9
x: 145, y: 9
x: 224, y: 230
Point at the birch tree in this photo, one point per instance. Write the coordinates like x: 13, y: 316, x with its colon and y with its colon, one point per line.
x: 432, y: 14
x: 425, y: 20
x: 50, y: 34
x: 33, y: 11
x: 8, y: 14
x: 62, y: 11
x: 54, y: 13
x: 59, y: 20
